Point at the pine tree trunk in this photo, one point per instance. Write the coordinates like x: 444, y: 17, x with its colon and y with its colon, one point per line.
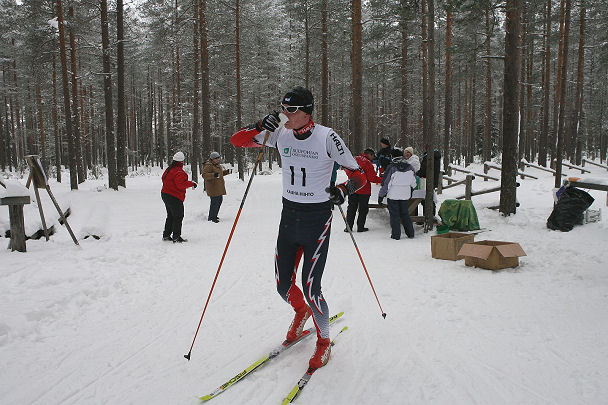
x: 121, y: 129
x: 93, y: 144
x: 356, y: 115
x: 473, y: 123
x: 162, y: 142
x: 508, y: 191
x: 66, y: 99
x: 132, y: 125
x: 448, y: 120
x: 562, y: 102
x: 557, y: 90
x: 77, y: 143
x: 487, y: 142
x: 522, y: 75
x: 195, y: 113
x: 239, y: 151
x: 168, y: 120
x: 107, y: 92
x: 306, y: 50
x: 425, y: 77
x: 177, y: 113
x: 529, y: 102
x: 205, y: 88
x: 429, y: 216
x: 324, y: 67
x: 19, y: 135
x: 9, y: 118
x: 55, y: 123
x: 405, y: 140
x: 10, y: 131
x: 45, y: 163
x: 542, y: 146
x: 3, y: 143
x: 578, y: 105
x: 459, y: 125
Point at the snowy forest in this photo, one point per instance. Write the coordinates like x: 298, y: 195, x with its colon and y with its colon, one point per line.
x: 103, y: 307
x: 110, y: 84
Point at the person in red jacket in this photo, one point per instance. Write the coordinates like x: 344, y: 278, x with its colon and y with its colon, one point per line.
x: 173, y: 193
x: 360, y: 199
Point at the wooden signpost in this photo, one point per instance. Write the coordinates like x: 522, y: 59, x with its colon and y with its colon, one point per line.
x: 38, y: 177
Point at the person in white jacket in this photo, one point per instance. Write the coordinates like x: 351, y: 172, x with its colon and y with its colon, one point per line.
x: 397, y: 184
x: 413, y: 160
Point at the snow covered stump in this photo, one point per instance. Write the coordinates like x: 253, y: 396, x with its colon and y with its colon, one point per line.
x: 15, y: 196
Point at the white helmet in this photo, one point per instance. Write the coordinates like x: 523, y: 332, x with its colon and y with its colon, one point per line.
x: 179, y: 157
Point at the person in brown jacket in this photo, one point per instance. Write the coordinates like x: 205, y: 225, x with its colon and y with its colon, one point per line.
x: 213, y: 174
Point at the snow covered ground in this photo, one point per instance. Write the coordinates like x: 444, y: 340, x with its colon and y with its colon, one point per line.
x: 109, y: 322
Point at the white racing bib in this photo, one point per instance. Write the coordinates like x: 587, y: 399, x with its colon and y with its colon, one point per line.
x: 306, y: 165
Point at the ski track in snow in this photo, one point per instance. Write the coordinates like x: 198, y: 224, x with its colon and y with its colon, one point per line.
x: 109, y: 322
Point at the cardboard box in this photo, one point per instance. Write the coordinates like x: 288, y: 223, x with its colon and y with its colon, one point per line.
x: 447, y: 245
x: 491, y: 254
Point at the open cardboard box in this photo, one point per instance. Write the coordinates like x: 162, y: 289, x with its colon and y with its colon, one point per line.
x: 491, y: 254
x: 446, y: 246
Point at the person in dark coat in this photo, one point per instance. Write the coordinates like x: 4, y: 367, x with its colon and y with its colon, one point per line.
x: 359, y: 201
x: 436, y: 167
x: 173, y: 194
x: 384, y: 155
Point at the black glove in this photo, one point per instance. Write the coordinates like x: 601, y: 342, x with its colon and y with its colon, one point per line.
x: 270, y: 122
x: 194, y: 185
x: 380, y: 199
x: 337, y: 194
x: 216, y: 175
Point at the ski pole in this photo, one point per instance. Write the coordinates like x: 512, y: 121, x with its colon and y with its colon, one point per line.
x: 350, y: 231
x: 253, y: 172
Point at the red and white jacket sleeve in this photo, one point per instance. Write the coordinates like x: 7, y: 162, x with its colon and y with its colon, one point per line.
x: 253, y: 137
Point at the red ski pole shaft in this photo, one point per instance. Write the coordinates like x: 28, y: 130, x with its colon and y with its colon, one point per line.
x: 350, y: 231
x: 187, y: 356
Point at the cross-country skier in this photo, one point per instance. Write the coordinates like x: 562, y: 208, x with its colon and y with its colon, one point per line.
x: 308, y: 152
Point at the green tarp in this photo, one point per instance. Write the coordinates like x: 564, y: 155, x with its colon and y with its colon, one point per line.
x: 459, y: 215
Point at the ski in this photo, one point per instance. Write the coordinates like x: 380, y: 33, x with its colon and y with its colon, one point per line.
x: 263, y: 360
x: 297, y: 389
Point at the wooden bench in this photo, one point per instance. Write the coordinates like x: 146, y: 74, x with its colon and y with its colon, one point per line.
x: 571, y: 166
x: 491, y: 165
x: 451, y: 182
x: 412, y: 209
x: 593, y: 163
x: 467, y: 171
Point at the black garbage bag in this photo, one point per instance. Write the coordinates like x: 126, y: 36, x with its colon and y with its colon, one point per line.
x: 569, y: 209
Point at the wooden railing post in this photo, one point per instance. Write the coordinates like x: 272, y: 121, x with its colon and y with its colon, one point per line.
x: 440, y: 185
x: 468, y: 188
